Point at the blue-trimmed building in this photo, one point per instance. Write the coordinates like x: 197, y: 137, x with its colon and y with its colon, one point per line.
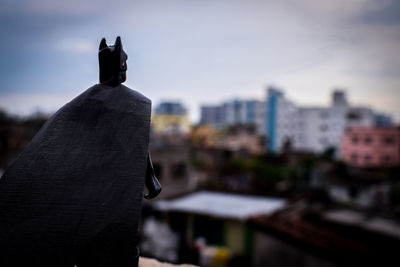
x: 235, y: 112
x: 280, y: 116
x: 305, y: 128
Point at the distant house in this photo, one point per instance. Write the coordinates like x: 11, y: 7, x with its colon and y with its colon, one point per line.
x: 371, y: 146
x: 248, y: 112
x: 171, y: 162
x: 220, y: 219
x: 312, y: 129
x: 170, y: 118
x: 304, y: 235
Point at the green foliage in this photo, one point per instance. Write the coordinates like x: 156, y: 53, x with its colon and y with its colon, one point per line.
x: 15, y: 133
x: 35, y: 123
x: 198, y: 164
x: 265, y: 175
x: 328, y: 154
x: 341, y: 169
x: 4, y: 117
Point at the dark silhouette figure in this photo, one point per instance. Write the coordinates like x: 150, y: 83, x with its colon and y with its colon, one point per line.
x: 112, y: 63
x: 112, y: 69
x: 73, y: 196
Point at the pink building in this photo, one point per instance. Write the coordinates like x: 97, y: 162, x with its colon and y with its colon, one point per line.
x: 371, y: 146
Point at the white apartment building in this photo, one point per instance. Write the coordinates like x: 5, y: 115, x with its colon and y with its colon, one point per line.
x: 319, y: 128
x: 312, y: 129
x: 280, y: 119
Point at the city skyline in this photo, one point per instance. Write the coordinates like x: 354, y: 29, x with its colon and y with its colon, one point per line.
x: 203, y: 51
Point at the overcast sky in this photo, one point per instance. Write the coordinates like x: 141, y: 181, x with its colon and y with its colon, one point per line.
x: 203, y: 51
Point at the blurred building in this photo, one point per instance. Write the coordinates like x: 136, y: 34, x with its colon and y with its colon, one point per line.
x: 169, y: 149
x: 171, y: 164
x: 383, y: 120
x: 204, y: 136
x: 371, y: 146
x: 322, y: 127
x: 170, y: 118
x: 242, y: 138
x: 237, y: 138
x: 170, y: 108
x: 249, y: 112
x: 219, y: 229
x: 218, y: 221
x: 304, y: 235
x: 312, y: 129
x: 281, y: 121
x: 213, y: 116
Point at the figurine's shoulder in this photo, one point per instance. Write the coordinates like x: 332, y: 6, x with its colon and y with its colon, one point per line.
x: 104, y: 92
x: 133, y: 94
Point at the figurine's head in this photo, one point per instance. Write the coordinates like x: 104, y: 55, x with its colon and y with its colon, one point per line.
x: 112, y: 63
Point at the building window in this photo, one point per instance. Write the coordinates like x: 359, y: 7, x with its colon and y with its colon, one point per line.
x: 353, y: 116
x: 367, y: 158
x: 323, y: 141
x: 323, y: 128
x: 324, y: 115
x: 354, y: 157
x: 388, y: 140
x: 368, y: 140
x: 385, y: 159
x: 354, y: 139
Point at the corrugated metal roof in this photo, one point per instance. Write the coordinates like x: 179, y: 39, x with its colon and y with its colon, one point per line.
x: 222, y: 205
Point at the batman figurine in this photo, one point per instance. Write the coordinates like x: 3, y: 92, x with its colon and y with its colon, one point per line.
x: 73, y: 196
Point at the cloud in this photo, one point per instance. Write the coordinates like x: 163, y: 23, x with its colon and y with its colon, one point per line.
x: 342, y: 9
x: 387, y: 14
x: 206, y: 50
x: 70, y: 8
x: 75, y: 46
x: 28, y: 103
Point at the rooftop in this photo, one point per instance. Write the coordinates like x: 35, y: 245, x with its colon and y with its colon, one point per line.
x: 345, y: 237
x: 222, y: 205
x: 355, y: 218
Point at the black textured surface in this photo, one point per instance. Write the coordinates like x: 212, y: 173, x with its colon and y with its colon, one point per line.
x: 74, y: 194
x: 112, y: 63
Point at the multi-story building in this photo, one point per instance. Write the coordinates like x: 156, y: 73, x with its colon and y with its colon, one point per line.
x: 281, y: 121
x: 383, y: 120
x: 213, y: 116
x: 312, y: 129
x: 171, y: 162
x: 280, y: 117
x: 255, y: 114
x: 235, y: 112
x: 170, y: 108
x: 170, y: 118
x: 371, y: 146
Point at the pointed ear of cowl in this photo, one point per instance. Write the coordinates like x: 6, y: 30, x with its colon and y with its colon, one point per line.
x: 118, y: 44
x: 103, y: 44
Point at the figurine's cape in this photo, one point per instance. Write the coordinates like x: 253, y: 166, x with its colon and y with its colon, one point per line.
x: 81, y: 173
